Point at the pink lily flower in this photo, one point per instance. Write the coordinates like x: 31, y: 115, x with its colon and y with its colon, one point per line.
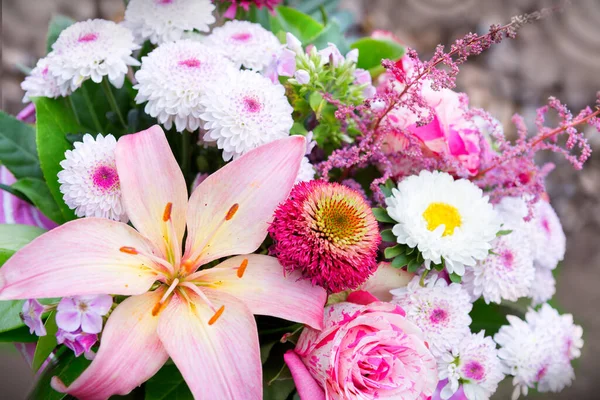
x: 201, y: 319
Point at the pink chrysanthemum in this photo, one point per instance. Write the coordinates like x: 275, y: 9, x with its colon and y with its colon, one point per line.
x: 328, y: 232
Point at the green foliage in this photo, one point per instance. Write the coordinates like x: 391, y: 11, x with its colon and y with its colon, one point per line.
x: 19, y: 335
x: 38, y: 192
x: 455, y: 278
x: 302, y: 26
x: 18, y: 150
x: 167, y: 384
x: 54, y: 121
x: 15, y: 236
x: 277, y: 379
x: 381, y: 215
x: 372, y: 51
x: 392, y: 252
x: 46, y: 344
x: 57, y: 24
x: 388, y: 236
x: 67, y: 369
x: 490, y: 317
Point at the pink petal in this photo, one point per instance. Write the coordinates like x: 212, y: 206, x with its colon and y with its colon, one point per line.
x: 130, y: 352
x: 69, y: 321
x: 361, y: 297
x: 150, y: 179
x: 218, y: 361
x: 230, y: 211
x: 307, y: 386
x: 78, y: 258
x: 265, y: 290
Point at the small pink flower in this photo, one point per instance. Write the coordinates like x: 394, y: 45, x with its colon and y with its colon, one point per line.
x: 83, y: 312
x: 32, y: 316
x: 302, y: 76
x: 331, y: 54
x: 78, y: 341
x: 364, y: 352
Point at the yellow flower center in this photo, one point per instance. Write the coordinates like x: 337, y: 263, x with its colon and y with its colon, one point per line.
x: 441, y: 213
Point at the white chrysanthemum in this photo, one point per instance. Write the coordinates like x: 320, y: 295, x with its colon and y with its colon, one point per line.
x: 473, y: 362
x: 92, y: 49
x: 506, y: 274
x: 440, y: 310
x: 89, y: 181
x: 243, y: 111
x: 549, y: 239
x: 246, y: 44
x: 446, y: 220
x: 172, y: 79
x: 41, y: 83
x: 163, y: 21
x: 307, y: 171
x: 543, y: 286
x: 539, y: 350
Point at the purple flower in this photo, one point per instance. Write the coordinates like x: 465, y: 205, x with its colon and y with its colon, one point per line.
x: 331, y: 54
x: 32, y: 316
x: 302, y: 77
x: 83, y: 312
x: 78, y: 341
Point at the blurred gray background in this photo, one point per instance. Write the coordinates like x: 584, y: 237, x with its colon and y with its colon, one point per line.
x: 559, y: 56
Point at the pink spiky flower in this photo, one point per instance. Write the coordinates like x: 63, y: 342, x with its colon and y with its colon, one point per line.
x: 329, y: 233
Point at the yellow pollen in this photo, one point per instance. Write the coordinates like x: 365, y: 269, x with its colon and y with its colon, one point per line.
x: 232, y: 211
x: 442, y: 214
x: 217, y: 315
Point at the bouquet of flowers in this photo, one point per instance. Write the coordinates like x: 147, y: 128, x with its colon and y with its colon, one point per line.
x: 234, y: 200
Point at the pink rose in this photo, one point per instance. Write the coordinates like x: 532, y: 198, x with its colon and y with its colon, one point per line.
x: 363, y: 352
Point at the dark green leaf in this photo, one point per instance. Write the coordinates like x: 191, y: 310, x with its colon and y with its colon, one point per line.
x: 167, y: 384
x: 372, y: 51
x: 54, y: 121
x: 400, y: 261
x: 265, y: 350
x: 37, y: 191
x: 388, y: 236
x: 67, y: 369
x: 381, y: 215
x: 46, y: 343
x: 57, y: 25
x: 413, y: 265
x: 454, y: 277
x: 392, y: 252
x: 277, y: 380
x: 410, y: 250
x: 504, y: 232
x: 300, y: 25
x: 386, y: 192
x: 489, y: 317
x: 14, y: 192
x: 331, y: 34
x: 19, y: 335
x: 18, y: 147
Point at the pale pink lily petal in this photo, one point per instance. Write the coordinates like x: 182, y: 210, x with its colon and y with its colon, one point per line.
x: 150, y: 179
x: 130, y: 352
x: 230, y: 211
x: 308, y: 388
x: 218, y: 361
x: 80, y: 257
x: 260, y: 283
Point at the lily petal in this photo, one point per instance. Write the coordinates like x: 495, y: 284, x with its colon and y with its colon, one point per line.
x: 130, y: 352
x: 230, y: 211
x: 218, y: 361
x: 260, y: 283
x: 80, y: 257
x: 150, y: 179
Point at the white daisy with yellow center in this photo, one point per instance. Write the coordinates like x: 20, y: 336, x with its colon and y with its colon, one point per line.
x: 445, y: 219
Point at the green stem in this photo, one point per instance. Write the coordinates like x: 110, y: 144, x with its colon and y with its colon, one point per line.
x: 90, y: 106
x: 71, y: 105
x: 423, y: 276
x: 113, y: 101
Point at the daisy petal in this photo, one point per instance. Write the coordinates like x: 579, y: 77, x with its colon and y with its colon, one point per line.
x: 219, y: 360
x: 80, y: 257
x: 130, y: 352
x: 231, y: 209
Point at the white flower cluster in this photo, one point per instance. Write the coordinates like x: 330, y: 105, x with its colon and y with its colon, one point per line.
x: 538, y: 351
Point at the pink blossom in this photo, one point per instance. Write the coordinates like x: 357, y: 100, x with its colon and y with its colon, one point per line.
x: 282, y: 64
x: 245, y: 5
x: 83, y: 312
x: 364, y: 352
x: 78, y: 341
x: 31, y: 315
x: 331, y: 54
x: 302, y: 76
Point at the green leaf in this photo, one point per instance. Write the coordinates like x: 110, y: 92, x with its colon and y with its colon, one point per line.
x: 392, y: 252
x: 410, y: 250
x: 413, y: 265
x: 19, y: 335
x: 15, y: 236
x: 454, y: 277
x: 332, y: 33
x: 46, y: 343
x: 5, y: 254
x: 297, y: 23
x: 37, y: 191
x: 381, y: 215
x: 400, y: 261
x: 57, y: 25
x: 277, y: 379
x: 489, y: 317
x: 265, y: 350
x: 388, y: 236
x: 386, y: 192
x: 167, y: 384
x: 316, y: 102
x: 10, y: 315
x: 18, y: 148
x: 504, y: 232
x: 68, y: 368
x: 372, y: 51
x: 54, y: 121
